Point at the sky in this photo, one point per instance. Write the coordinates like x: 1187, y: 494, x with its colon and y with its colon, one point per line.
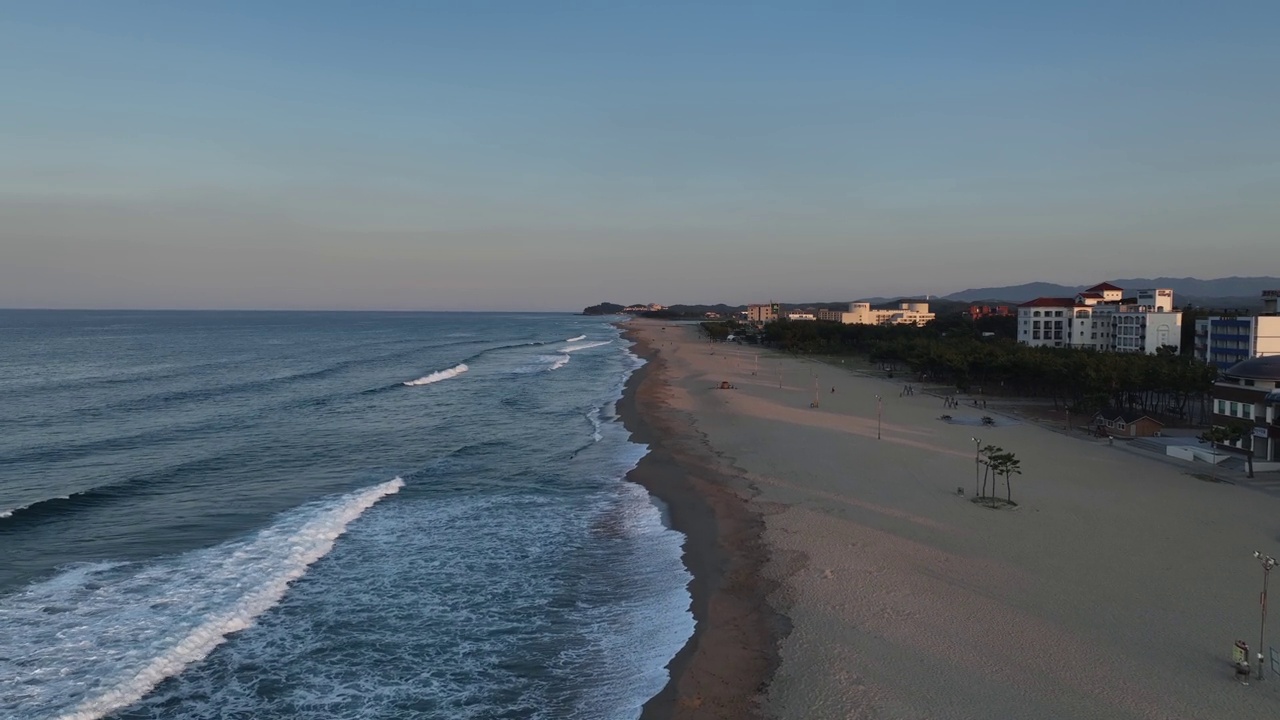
x: 484, y: 155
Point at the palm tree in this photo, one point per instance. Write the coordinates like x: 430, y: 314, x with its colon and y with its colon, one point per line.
x: 990, y: 455
x: 1011, y: 465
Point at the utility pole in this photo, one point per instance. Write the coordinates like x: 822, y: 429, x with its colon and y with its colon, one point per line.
x: 977, y: 463
x: 1267, y: 563
x: 879, y: 411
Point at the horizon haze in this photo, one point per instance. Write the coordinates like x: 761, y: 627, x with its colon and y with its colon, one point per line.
x: 509, y: 156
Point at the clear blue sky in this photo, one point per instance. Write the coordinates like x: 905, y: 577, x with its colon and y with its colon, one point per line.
x: 550, y: 155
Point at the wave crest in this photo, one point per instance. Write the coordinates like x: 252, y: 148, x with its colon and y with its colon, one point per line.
x: 146, y: 625
x: 584, y: 346
x: 439, y: 375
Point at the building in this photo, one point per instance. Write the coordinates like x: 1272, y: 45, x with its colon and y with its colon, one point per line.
x: 1102, y: 318
x: 799, y: 315
x: 1124, y: 423
x: 763, y: 313
x: 1225, y: 341
x: 860, y: 313
x: 980, y: 311
x: 1249, y: 393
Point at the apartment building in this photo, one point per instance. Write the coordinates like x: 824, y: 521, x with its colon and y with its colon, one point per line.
x: 1225, y: 341
x: 763, y: 313
x: 861, y: 313
x: 1102, y: 318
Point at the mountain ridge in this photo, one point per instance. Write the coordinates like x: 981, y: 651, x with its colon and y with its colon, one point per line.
x: 1188, y: 288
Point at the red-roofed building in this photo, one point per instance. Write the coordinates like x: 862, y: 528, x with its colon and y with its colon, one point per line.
x: 1102, y: 318
x: 981, y: 311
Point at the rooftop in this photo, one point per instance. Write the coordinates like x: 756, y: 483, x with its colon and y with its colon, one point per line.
x: 1258, y: 368
x: 1050, y: 302
x: 1129, y: 416
x: 1103, y: 287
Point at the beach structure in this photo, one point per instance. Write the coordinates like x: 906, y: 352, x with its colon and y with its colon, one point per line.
x: 1248, y: 393
x: 1224, y: 341
x: 908, y: 312
x: 1126, y: 423
x: 1103, y: 318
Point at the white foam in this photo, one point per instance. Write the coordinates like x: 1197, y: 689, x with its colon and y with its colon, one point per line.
x: 558, y: 362
x: 436, y: 377
x: 584, y: 346
x: 576, y: 339
x: 99, y: 637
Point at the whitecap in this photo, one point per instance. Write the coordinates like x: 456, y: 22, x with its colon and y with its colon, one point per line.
x: 436, y: 377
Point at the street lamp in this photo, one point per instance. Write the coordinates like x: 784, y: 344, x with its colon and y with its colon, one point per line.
x: 976, y: 463
x: 1267, y: 563
x: 879, y: 408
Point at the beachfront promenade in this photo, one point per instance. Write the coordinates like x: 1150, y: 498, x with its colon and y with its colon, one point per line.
x: 1114, y: 590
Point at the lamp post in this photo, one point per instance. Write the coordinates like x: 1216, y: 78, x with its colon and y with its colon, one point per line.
x: 977, y: 444
x: 1267, y: 563
x: 879, y: 408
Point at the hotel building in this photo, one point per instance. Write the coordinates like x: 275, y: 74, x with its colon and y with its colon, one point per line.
x: 860, y: 313
x: 1102, y: 318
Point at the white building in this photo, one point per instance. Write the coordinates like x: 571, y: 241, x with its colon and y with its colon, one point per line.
x: 1102, y: 318
x: 797, y: 315
x: 1225, y: 341
x: 860, y: 313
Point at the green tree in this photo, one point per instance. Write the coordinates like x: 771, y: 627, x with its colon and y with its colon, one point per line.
x: 1010, y: 465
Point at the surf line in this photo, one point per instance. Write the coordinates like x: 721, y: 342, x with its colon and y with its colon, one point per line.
x: 313, y: 541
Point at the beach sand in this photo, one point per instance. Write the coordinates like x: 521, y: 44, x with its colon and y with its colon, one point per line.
x: 841, y: 576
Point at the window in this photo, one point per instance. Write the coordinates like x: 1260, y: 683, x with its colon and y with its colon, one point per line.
x: 1035, y: 334
x: 1036, y: 313
x: 1057, y: 313
x: 1120, y: 425
x: 1222, y: 407
x: 1246, y: 411
x: 1235, y: 408
x: 1248, y: 383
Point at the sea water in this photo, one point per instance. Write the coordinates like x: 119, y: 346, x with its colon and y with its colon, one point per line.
x: 325, y: 515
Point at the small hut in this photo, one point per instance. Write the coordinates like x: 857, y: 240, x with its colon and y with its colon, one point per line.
x: 1126, y: 423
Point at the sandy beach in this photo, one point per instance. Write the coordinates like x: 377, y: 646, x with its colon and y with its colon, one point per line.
x: 838, y: 575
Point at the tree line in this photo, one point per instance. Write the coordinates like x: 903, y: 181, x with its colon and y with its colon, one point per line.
x: 969, y: 357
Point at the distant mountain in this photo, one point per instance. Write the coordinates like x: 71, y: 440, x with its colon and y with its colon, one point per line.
x: 1233, y: 289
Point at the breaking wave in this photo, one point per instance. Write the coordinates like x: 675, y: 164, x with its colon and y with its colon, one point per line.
x: 100, y: 636
x: 436, y: 377
x: 584, y: 346
x: 558, y: 362
x: 576, y: 339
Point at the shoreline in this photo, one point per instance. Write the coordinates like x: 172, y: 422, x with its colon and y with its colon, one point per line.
x: 727, y: 663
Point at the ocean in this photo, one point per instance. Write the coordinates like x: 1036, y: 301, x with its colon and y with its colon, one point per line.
x: 326, y: 515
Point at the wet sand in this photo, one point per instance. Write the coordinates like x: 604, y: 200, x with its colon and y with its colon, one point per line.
x: 1114, y: 590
